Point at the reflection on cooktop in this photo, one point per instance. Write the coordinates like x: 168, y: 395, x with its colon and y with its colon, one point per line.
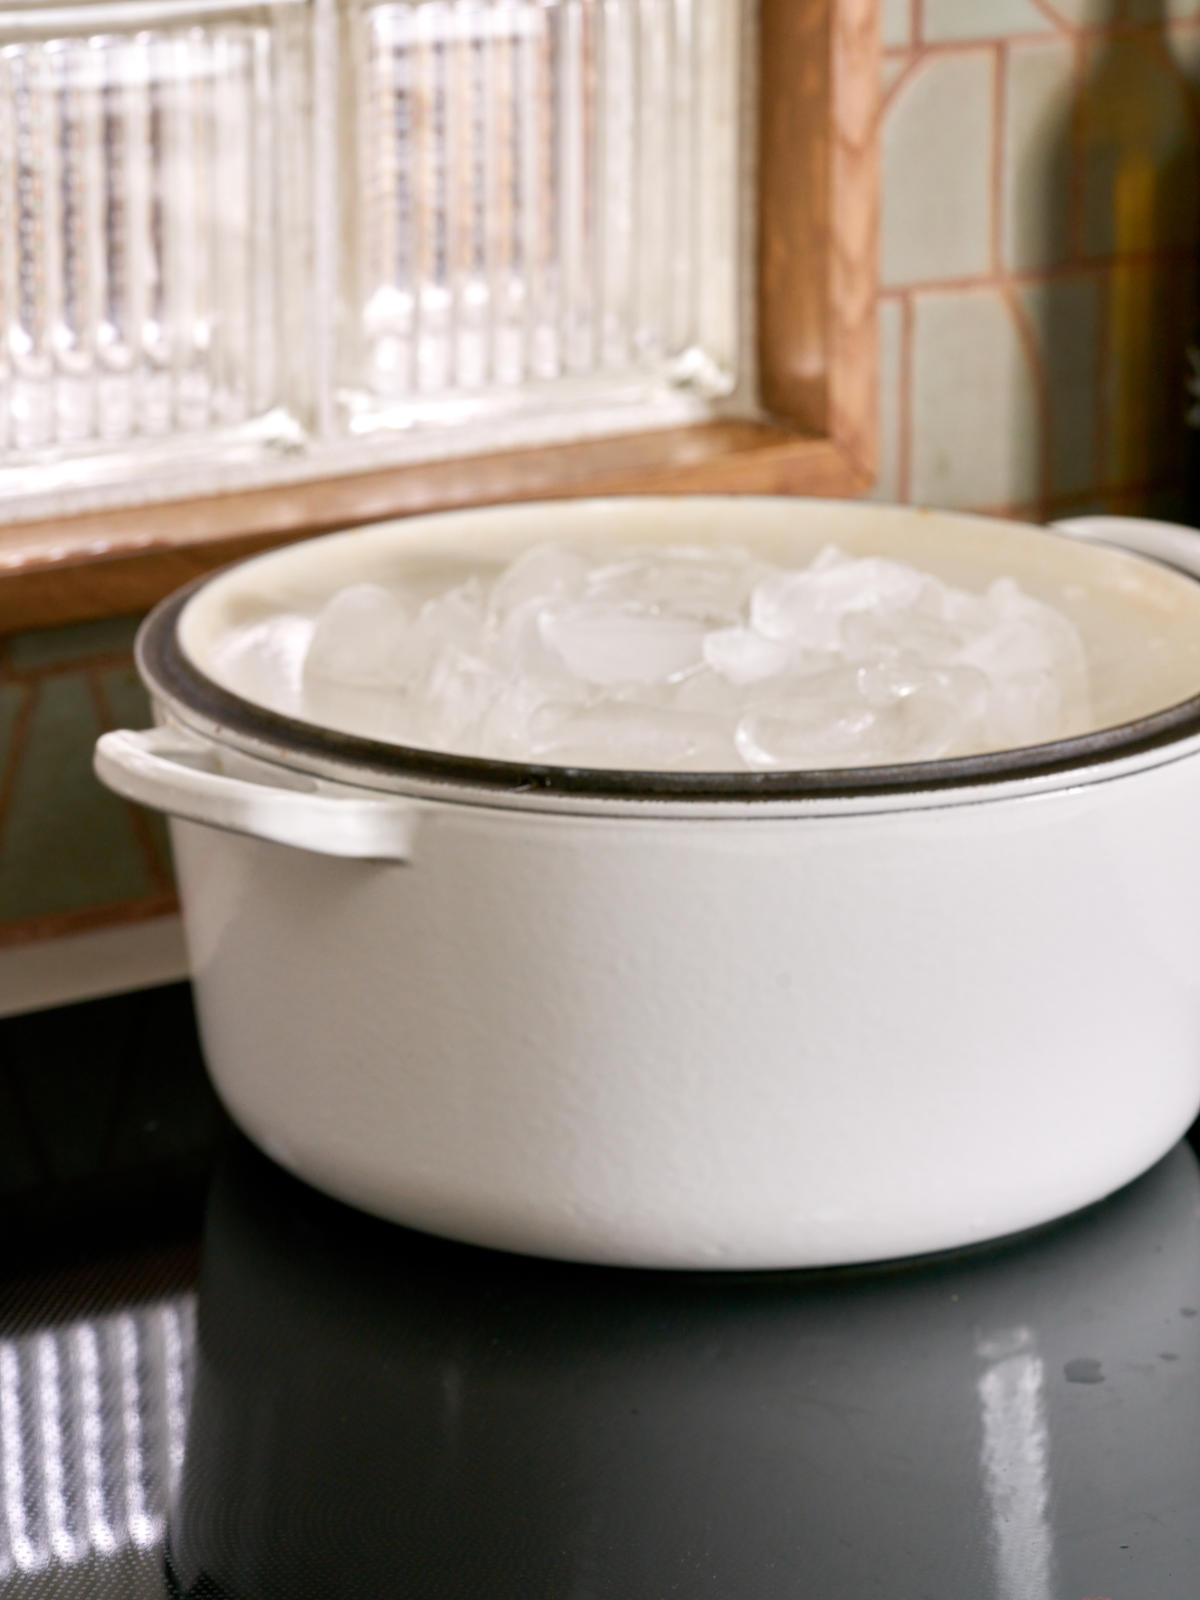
x: 348, y: 1410
x: 92, y: 1424
x: 380, y: 1414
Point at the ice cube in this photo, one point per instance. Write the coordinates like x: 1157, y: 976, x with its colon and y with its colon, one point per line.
x: 874, y: 636
x: 708, y: 584
x: 507, y: 728
x: 700, y: 659
x: 456, y: 695
x: 942, y: 712
x: 799, y: 734
x: 808, y: 606
x: 521, y: 646
x: 547, y: 572
x: 456, y: 617
x: 361, y: 637
x: 742, y: 655
x: 605, y: 645
x: 708, y: 692
x: 1037, y: 673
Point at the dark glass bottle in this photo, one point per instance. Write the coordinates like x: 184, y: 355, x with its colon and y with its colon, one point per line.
x: 1136, y: 197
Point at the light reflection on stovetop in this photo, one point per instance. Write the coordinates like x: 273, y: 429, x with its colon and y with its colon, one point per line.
x: 366, y: 1412
x: 92, y: 1427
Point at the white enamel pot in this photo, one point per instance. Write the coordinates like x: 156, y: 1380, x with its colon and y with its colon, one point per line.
x: 680, y: 1020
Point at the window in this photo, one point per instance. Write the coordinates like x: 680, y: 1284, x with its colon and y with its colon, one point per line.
x: 301, y: 264
x: 540, y: 204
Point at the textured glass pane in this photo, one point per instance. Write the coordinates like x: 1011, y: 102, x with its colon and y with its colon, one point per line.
x: 248, y: 244
x: 139, y: 230
x: 521, y: 200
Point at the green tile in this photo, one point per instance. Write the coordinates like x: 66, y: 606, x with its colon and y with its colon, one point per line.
x: 1039, y: 93
x: 937, y: 164
x: 897, y: 24
x: 976, y: 441
x: 126, y: 698
x: 946, y: 21
x: 891, y: 388
x: 56, y: 647
x: 10, y: 703
x: 129, y: 707
x: 68, y: 843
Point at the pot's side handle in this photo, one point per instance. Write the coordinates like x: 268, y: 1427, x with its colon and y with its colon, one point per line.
x: 1168, y: 542
x: 173, y: 771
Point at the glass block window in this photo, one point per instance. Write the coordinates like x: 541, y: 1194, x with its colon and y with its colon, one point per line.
x: 524, y: 212
x: 143, y: 222
x: 244, y: 245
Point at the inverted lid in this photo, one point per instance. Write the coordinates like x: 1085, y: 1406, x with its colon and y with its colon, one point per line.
x: 1138, y: 619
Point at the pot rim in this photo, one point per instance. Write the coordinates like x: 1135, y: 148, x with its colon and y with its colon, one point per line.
x: 172, y: 678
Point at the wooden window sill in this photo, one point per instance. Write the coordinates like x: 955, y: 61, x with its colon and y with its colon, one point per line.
x: 113, y: 563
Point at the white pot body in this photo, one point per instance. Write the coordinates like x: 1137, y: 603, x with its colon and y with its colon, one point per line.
x: 727, y: 1027
x: 719, y: 1041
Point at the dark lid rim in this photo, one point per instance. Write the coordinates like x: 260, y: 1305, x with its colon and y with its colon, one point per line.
x: 168, y: 672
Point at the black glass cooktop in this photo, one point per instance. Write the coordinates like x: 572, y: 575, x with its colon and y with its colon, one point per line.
x: 216, y: 1383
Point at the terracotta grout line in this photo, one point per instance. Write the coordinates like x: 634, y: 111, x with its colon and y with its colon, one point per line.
x: 1099, y: 32
x: 999, y: 115
x: 1029, y: 340
x: 916, y: 23
x: 963, y: 47
x: 1059, y: 23
x: 1095, y: 267
x: 104, y: 662
x: 16, y: 755
x: 905, y: 442
x: 911, y: 71
x: 87, y: 919
x: 156, y: 868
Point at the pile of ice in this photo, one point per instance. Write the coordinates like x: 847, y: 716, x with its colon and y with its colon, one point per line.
x: 698, y: 659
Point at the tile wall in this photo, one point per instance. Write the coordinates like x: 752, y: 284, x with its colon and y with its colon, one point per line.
x: 72, y: 857
x: 1040, y: 225
x: 1040, y: 229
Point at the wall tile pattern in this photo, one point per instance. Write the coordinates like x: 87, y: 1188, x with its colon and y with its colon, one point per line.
x: 1039, y: 232
x: 72, y: 856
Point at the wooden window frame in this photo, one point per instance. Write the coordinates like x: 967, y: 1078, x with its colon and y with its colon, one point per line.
x: 817, y: 246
